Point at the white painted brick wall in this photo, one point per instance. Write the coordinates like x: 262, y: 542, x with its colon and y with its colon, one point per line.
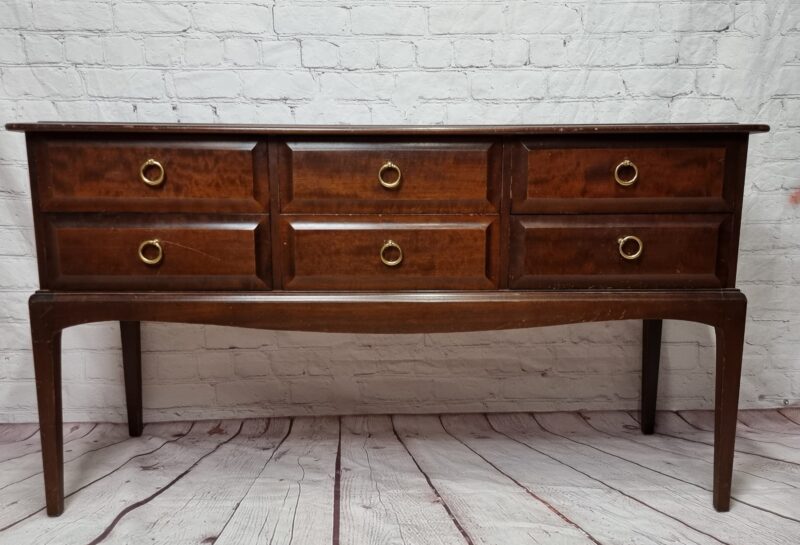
x: 373, y: 61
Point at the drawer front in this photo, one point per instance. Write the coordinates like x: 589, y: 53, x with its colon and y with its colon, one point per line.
x: 360, y: 176
x: 625, y: 178
x: 402, y: 252
x: 182, y: 176
x: 187, y: 253
x: 586, y: 251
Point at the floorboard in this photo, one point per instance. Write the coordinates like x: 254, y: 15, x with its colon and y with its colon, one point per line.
x: 506, y: 479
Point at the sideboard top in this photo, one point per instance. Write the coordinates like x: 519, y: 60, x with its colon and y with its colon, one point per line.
x: 198, y: 128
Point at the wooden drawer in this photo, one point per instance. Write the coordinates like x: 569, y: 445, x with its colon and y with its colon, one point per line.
x: 107, y: 175
x: 345, y: 176
x: 584, y: 251
x: 551, y: 177
x: 345, y: 253
x: 97, y: 252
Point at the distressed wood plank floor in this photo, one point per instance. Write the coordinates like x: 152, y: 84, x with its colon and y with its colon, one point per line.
x: 549, y: 478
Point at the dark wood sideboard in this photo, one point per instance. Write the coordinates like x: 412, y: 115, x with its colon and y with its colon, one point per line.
x: 379, y: 229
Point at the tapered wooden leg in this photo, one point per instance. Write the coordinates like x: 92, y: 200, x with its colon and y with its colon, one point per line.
x: 651, y: 356
x: 132, y: 365
x: 730, y: 343
x: 47, y: 366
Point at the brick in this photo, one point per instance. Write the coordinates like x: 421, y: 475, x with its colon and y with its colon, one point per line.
x: 434, y: 53
x: 11, y: 49
x: 472, y: 52
x: 40, y: 48
x: 42, y: 82
x: 660, y: 50
x: 357, y: 86
x: 548, y: 51
x: 72, y: 15
x: 175, y: 365
x: 509, y: 53
x: 123, y: 50
x: 322, y: 110
x: 171, y: 337
x: 239, y: 18
x: 242, y: 52
x: 278, y: 85
x: 102, y: 82
x: 358, y: 55
x: 315, y: 391
x: 616, y: 51
x: 388, y: 20
x: 517, y: 85
x: 696, y: 16
x: 319, y: 54
x: 294, y: 19
x: 251, y: 364
x: 163, y: 51
x: 284, y: 54
x: 150, y: 17
x: 606, y: 17
x: 395, y: 54
x: 203, y: 51
x: 595, y: 83
x: 696, y: 50
x: 659, y: 82
x: 214, y: 364
x: 16, y: 14
x: 432, y: 85
x: 277, y: 111
x: 250, y: 393
x: 165, y: 396
x: 546, y: 18
x: 466, y: 19
x: 207, y: 84
x: 84, y: 49
x: 788, y: 80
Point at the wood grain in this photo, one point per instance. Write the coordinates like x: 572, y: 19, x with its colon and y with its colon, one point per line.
x: 583, y: 251
x: 385, y: 498
x: 568, y: 438
x: 341, y: 176
x: 214, y: 487
x: 490, y: 506
x: 292, y: 498
x: 198, y: 253
x: 428, y: 479
x: 103, y: 175
x: 344, y: 253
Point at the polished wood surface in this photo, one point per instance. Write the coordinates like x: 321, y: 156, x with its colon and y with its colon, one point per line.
x: 344, y: 253
x: 579, y: 172
x: 379, y: 130
x: 584, y: 251
x: 104, y: 175
x: 283, y: 227
x: 327, y: 176
x: 103, y: 252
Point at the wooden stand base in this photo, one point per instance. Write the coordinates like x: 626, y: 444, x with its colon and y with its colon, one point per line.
x: 51, y: 312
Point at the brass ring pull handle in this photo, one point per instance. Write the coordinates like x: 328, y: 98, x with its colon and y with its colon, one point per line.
x: 155, y: 243
x: 389, y: 166
x: 391, y: 262
x: 630, y: 238
x: 152, y: 182
x: 626, y: 164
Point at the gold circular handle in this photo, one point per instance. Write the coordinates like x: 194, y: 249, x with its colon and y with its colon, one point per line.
x: 158, y: 180
x: 391, y: 262
x: 389, y: 166
x: 155, y: 243
x: 625, y: 164
x: 630, y: 238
